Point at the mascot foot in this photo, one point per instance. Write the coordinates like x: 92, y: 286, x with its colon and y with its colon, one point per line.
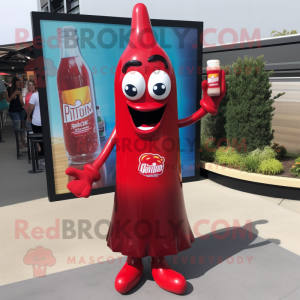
x: 166, y: 278
x: 129, y: 275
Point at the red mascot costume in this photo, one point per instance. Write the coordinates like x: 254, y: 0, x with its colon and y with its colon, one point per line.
x: 149, y: 216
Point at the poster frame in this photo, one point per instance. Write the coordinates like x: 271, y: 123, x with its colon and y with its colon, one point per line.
x: 36, y: 18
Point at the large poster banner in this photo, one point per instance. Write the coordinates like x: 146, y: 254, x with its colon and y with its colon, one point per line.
x: 76, y: 58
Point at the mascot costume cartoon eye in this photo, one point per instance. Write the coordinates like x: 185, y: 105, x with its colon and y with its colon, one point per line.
x: 149, y: 216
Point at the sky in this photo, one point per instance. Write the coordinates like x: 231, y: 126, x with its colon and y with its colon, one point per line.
x: 15, y: 14
x: 238, y: 15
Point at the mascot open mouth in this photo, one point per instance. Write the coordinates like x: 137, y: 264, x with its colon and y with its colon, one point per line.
x: 147, y: 120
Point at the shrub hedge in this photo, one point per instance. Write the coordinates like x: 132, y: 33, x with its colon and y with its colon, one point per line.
x: 257, y: 161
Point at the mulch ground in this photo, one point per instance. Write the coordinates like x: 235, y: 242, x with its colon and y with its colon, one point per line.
x: 287, y: 163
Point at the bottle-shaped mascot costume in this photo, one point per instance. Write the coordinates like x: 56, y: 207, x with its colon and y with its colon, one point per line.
x: 149, y: 216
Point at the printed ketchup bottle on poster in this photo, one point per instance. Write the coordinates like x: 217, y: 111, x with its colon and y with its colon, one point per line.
x: 77, y: 104
x: 101, y: 123
x: 213, y: 77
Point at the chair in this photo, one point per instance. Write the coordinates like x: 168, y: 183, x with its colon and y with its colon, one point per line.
x: 2, y: 123
x: 28, y: 130
x: 35, y: 138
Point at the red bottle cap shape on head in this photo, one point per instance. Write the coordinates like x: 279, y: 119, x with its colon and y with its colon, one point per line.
x: 141, y: 30
x: 144, y: 82
x: 142, y: 37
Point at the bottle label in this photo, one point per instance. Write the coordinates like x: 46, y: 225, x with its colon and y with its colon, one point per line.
x: 151, y: 165
x: 100, y: 125
x: 77, y: 104
x: 78, y: 110
x: 213, y: 79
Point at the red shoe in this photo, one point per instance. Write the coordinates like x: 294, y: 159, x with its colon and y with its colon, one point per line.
x: 129, y: 275
x: 166, y: 278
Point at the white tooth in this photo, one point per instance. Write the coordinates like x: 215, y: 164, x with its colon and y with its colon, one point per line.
x: 145, y: 128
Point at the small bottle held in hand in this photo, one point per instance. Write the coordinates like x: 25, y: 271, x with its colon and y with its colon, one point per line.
x: 213, y: 77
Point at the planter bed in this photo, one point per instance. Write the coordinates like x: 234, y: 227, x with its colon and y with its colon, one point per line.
x: 266, y: 185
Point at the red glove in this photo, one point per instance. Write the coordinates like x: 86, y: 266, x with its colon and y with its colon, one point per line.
x: 81, y: 186
x: 211, y: 104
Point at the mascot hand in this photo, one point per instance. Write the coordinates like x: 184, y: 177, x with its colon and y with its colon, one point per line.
x: 211, y: 104
x: 81, y: 186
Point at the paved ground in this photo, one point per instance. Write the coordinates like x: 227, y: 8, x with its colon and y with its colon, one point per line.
x: 292, y: 205
x: 17, y: 185
x: 230, y: 269
x: 28, y: 220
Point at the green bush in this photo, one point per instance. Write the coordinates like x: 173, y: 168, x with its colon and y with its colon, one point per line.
x: 228, y: 156
x: 266, y: 153
x: 214, y: 126
x: 257, y: 161
x: 270, y: 167
x: 295, y: 170
x: 207, y: 154
x: 250, y: 163
x: 279, y: 149
x: 249, y: 109
x: 255, y: 153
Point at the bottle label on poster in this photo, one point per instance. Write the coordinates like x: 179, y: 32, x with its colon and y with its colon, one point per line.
x: 77, y: 104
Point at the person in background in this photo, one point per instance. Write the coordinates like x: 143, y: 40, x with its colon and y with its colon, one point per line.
x: 36, y: 124
x: 17, y: 113
x: 30, y: 90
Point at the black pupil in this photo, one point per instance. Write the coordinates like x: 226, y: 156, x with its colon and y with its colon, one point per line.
x: 159, y: 89
x: 130, y: 90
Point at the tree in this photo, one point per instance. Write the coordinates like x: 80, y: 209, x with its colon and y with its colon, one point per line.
x: 214, y: 126
x: 284, y: 32
x: 249, y: 108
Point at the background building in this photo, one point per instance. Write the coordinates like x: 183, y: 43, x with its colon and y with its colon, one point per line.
x: 59, y: 6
